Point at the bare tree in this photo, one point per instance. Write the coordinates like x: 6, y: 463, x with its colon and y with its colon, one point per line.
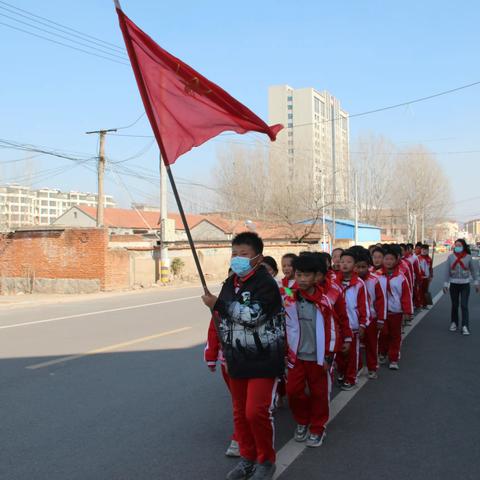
x: 424, y: 189
x: 373, y: 158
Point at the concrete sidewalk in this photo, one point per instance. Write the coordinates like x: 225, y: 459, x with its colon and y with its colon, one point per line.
x: 419, y: 423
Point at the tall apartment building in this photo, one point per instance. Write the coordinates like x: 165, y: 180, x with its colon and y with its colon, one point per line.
x: 315, y: 139
x: 22, y: 206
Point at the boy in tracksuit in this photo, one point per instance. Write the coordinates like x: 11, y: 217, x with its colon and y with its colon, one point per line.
x: 358, y: 309
x: 400, y: 308
x: 251, y: 325
x: 313, y: 338
x: 376, y: 287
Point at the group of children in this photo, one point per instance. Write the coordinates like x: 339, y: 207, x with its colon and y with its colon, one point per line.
x: 325, y: 319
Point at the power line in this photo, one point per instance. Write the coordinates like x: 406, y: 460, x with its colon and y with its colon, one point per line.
x: 82, y: 34
x: 63, y: 44
x: 98, y: 49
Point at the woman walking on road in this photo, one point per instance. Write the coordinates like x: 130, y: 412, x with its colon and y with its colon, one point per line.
x: 461, y: 270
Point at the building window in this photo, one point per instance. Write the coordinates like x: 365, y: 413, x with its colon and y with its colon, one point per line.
x: 290, y: 151
x: 290, y: 107
x: 289, y: 98
x: 290, y: 134
x: 290, y: 116
x: 316, y: 103
x: 290, y: 125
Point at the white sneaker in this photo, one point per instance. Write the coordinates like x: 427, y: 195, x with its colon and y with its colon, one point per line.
x: 465, y: 330
x: 233, y: 449
x: 453, y: 327
x: 393, y: 366
x: 372, y: 375
x: 382, y: 359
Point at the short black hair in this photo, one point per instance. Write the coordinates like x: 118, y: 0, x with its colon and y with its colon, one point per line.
x: 337, y: 249
x: 310, y: 262
x: 403, y: 245
x: 419, y: 244
x: 393, y: 250
x: 251, y: 239
x: 410, y: 246
x: 378, y: 249
x: 349, y: 253
x: 364, y: 256
x: 326, y: 256
x: 271, y: 262
x: 426, y: 245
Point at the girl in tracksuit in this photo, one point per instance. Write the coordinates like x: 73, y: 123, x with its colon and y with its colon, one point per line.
x: 400, y: 308
x: 461, y: 269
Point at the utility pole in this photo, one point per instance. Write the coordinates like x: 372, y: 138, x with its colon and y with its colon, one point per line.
x: 408, y: 220
x: 101, y: 173
x: 423, y: 227
x: 324, y: 243
x: 355, y: 180
x: 164, y: 258
x: 334, y: 180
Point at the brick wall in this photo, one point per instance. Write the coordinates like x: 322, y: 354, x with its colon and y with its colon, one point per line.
x: 117, y: 270
x: 54, y: 255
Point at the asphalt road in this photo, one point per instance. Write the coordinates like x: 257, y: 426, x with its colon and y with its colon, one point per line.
x: 115, y: 389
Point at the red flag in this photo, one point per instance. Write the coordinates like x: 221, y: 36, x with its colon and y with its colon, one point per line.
x: 185, y: 109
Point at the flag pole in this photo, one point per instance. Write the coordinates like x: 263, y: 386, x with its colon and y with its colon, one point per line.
x: 187, y: 229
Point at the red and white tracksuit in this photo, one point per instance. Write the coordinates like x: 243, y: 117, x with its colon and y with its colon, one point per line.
x: 358, y: 310
x: 399, y: 301
x: 417, y: 275
x: 426, y: 268
x: 311, y: 409
x: 212, y: 354
x: 406, y: 268
x: 377, y: 295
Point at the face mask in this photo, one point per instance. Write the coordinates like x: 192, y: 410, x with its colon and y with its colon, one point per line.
x: 241, y: 265
x: 458, y: 249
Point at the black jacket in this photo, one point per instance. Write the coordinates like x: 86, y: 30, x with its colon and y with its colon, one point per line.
x: 252, y: 326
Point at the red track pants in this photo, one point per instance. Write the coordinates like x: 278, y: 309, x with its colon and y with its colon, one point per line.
x: 370, y: 342
x: 252, y: 415
x: 347, y: 365
x: 424, y: 285
x: 314, y: 408
x: 391, y: 337
x: 226, y: 377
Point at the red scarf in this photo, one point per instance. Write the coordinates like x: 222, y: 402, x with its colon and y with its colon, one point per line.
x: 317, y: 298
x: 286, y: 281
x: 458, y: 260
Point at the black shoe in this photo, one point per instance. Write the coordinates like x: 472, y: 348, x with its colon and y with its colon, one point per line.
x: 264, y: 471
x: 242, y: 471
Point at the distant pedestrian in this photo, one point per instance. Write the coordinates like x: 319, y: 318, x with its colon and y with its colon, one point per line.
x: 461, y: 270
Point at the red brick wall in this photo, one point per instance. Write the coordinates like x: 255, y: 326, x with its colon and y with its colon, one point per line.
x: 69, y: 253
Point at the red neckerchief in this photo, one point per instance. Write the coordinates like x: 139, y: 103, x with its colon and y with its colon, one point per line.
x: 395, y: 273
x: 318, y: 298
x: 285, y: 282
x: 239, y: 281
x: 353, y: 280
x: 458, y: 260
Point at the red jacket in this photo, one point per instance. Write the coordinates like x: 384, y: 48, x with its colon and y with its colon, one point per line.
x: 413, y: 259
x: 213, y: 351
x: 399, y: 296
x: 356, y: 298
x: 335, y: 294
x: 406, y: 268
x: 327, y: 329
x: 378, y: 297
x: 426, y: 266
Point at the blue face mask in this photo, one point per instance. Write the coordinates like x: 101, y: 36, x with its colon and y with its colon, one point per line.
x: 458, y: 249
x: 241, y: 265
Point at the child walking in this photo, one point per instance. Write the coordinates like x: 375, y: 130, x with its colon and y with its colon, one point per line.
x: 313, y: 339
x: 400, y: 308
x: 358, y: 309
x: 252, y: 334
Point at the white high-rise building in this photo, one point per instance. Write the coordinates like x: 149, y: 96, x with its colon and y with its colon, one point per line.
x: 311, y: 120
x: 22, y: 206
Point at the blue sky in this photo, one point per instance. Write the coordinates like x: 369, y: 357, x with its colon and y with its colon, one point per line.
x: 369, y: 54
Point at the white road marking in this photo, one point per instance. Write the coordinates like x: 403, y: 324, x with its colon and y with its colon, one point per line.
x: 292, y: 449
x: 97, y: 312
x: 108, y: 348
